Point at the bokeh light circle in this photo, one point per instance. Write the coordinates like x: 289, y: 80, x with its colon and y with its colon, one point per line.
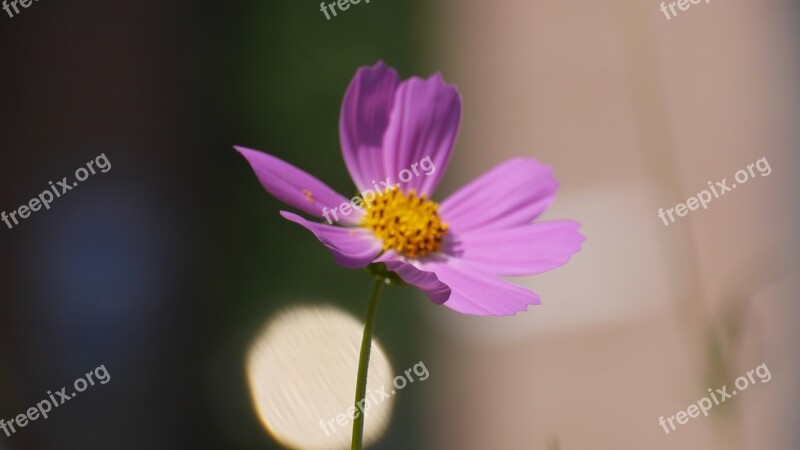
x: 301, y: 369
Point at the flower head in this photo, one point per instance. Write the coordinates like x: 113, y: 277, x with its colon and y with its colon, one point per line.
x: 396, y: 140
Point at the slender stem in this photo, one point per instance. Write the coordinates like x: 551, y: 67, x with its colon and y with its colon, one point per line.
x: 363, y: 364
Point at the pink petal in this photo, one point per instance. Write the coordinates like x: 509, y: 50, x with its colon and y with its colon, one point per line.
x: 437, y: 291
x: 352, y: 247
x: 522, y: 250
x: 363, y: 120
x: 477, y: 292
x: 423, y: 124
x: 296, y: 187
x: 510, y: 194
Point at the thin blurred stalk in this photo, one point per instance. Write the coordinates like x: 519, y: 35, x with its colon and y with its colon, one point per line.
x: 650, y: 112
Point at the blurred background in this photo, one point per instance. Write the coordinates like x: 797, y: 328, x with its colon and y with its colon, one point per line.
x: 165, y: 268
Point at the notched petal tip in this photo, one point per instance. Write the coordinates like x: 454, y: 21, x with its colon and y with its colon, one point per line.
x: 294, y: 186
x: 363, y: 119
x: 512, y: 193
x: 476, y: 292
x: 519, y: 251
x: 242, y: 150
x: 424, y: 123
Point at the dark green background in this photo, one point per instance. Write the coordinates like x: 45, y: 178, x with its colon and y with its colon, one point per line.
x: 163, y: 268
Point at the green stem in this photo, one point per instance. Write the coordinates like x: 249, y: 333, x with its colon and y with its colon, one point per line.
x: 363, y: 363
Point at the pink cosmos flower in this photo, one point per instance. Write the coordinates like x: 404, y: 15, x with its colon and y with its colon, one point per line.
x: 396, y: 140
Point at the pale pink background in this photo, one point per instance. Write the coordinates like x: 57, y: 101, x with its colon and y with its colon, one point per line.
x: 635, y: 113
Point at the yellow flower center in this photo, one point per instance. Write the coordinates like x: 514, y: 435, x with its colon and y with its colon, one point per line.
x: 405, y: 222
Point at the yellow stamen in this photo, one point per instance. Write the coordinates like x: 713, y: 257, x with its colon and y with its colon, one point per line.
x: 404, y: 222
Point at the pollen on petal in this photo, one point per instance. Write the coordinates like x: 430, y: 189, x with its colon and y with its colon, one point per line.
x: 309, y: 195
